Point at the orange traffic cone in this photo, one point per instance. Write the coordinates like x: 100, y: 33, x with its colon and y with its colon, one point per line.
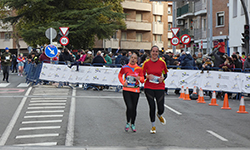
x: 182, y: 95
x: 201, y: 97
x: 187, y: 95
x: 195, y: 90
x: 242, y: 108
x: 225, y: 103
x: 213, y: 100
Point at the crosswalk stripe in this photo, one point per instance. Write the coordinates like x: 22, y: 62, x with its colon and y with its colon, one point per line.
x: 47, y: 101
x: 44, y: 111
x: 49, y: 104
x: 44, y: 121
x: 23, y: 85
x: 4, y: 84
x: 36, y: 135
x: 38, y: 144
x: 43, y: 116
x: 48, y: 107
x: 40, y: 128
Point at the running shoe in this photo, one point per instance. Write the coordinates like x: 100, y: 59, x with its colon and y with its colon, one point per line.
x: 133, y: 128
x: 153, y: 130
x: 127, y: 127
x: 162, y: 119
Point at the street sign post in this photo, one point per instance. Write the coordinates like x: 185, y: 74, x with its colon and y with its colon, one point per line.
x: 51, y: 51
x: 50, y: 34
x: 185, y: 39
x: 175, y: 41
x: 64, y: 40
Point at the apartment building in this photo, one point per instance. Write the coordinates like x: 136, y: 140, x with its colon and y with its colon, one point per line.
x: 193, y: 19
x: 237, y: 22
x: 148, y: 23
x: 6, y: 37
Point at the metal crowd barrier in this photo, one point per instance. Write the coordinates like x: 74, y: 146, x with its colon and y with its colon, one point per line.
x: 32, y: 71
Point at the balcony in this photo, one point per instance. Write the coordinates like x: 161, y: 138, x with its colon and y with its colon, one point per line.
x: 135, y: 25
x: 200, y: 8
x: 185, y: 31
x: 185, y: 11
x: 133, y: 44
x: 199, y: 34
x: 160, y: 44
x: 128, y: 4
x: 158, y: 27
x: 157, y: 8
x: 112, y: 43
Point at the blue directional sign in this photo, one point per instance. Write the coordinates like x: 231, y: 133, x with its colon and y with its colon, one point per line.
x: 51, y: 51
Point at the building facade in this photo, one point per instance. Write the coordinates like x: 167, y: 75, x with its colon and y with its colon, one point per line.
x: 237, y: 22
x: 148, y: 23
x: 193, y: 19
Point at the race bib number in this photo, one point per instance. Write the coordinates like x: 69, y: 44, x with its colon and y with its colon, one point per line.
x: 155, y: 80
x: 7, y: 57
x: 131, y: 81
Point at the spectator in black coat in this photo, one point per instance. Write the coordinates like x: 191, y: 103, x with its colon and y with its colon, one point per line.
x: 237, y: 63
x: 65, y: 57
x: 219, y: 59
x: 124, y: 59
x: 188, y: 61
x: 99, y: 59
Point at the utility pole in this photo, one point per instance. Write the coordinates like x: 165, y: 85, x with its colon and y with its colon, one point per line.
x: 211, y: 27
x: 173, y: 23
x: 247, y: 23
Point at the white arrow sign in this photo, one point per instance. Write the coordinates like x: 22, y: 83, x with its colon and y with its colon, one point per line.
x: 51, y: 51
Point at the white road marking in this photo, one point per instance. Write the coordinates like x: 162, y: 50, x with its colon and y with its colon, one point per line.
x: 173, y: 110
x: 38, y: 144
x: 23, y: 85
x: 4, y: 84
x: 44, y: 121
x: 36, y: 135
x: 43, y: 116
x: 71, y: 122
x: 40, y: 128
x: 43, y: 104
x: 48, y: 107
x: 217, y: 135
x: 46, y: 98
x: 44, y: 111
x: 13, y: 120
x: 48, y: 101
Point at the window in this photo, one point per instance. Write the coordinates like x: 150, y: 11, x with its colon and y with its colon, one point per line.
x: 169, y: 26
x: 138, y: 0
x: 235, y: 8
x: 159, y: 38
x: 138, y: 37
x: 169, y: 44
x: 124, y: 36
x: 7, y: 36
x: 204, y: 24
x: 220, y: 19
x: 114, y: 36
x: 169, y: 10
x: 158, y: 19
x: 138, y: 17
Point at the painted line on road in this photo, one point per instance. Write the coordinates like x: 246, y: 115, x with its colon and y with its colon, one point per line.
x: 40, y: 128
x: 51, y: 98
x: 71, y: 122
x: 23, y: 85
x: 43, y: 116
x: 4, y: 84
x: 217, y: 135
x: 38, y: 144
x: 44, y: 121
x: 45, y: 111
x: 173, y: 110
x: 43, y: 104
x: 36, y: 135
x: 13, y: 120
x: 48, y: 107
x: 48, y: 101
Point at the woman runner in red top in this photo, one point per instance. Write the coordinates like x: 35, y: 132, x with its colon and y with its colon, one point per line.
x: 155, y: 70
x: 132, y: 76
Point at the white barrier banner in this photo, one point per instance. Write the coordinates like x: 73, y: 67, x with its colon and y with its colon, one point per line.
x: 213, y: 81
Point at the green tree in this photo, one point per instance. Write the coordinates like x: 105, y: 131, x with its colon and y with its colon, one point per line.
x: 86, y: 19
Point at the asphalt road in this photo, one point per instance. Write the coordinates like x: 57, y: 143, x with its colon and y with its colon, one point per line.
x: 49, y: 116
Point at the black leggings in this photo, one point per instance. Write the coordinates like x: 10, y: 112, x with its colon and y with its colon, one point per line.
x: 6, y: 70
x: 131, y: 101
x: 159, y: 96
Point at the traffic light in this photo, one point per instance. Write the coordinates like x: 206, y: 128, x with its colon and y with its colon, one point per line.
x: 246, y: 32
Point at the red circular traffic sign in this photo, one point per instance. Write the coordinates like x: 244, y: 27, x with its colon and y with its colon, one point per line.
x: 185, y: 39
x: 64, y: 40
x: 175, y: 41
